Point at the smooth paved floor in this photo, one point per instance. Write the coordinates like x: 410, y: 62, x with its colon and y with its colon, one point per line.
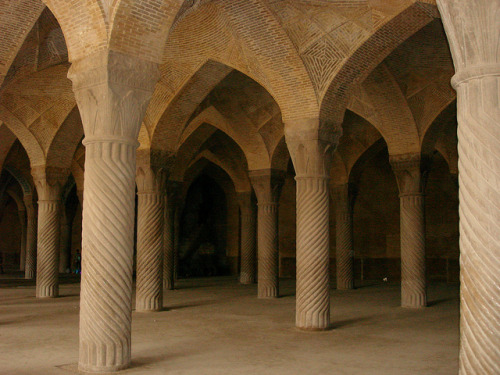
x: 216, y: 326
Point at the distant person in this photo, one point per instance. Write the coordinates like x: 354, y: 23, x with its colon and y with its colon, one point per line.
x: 78, y: 262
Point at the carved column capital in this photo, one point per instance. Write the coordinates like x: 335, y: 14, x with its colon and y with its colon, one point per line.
x: 267, y: 184
x: 49, y: 182
x: 112, y: 91
x: 344, y: 196
x: 472, y: 30
x: 408, y: 173
x: 312, y: 150
x: 245, y: 202
x: 150, y: 180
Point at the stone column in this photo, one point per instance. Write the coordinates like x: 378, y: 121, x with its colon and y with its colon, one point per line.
x: 22, y: 220
x: 65, y: 242
x: 149, y: 291
x: 472, y: 30
x: 344, y: 256
x: 29, y: 271
x: 412, y: 229
x: 267, y: 185
x: 48, y: 182
x: 171, y: 201
x: 247, y: 240
x: 311, y: 154
x: 112, y: 91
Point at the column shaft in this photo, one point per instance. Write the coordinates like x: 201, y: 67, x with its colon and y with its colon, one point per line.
x: 149, y: 292
x: 31, y: 227
x: 413, y: 284
x: 247, y: 270
x: 344, y: 239
x: 313, y: 253
x: 479, y: 194
x: 411, y: 184
x: 22, y: 258
x: 472, y: 30
x: 65, y: 243
x: 107, y: 252
x: 169, y: 247
x: 47, y: 268
x: 268, y: 255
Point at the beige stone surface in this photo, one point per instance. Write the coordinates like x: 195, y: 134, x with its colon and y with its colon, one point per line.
x: 217, y: 326
x: 411, y: 184
x: 472, y: 31
x: 49, y: 182
x: 312, y: 159
x: 248, y: 236
x: 344, y: 254
x: 112, y: 96
x: 267, y: 185
x: 312, y: 90
x: 149, y: 239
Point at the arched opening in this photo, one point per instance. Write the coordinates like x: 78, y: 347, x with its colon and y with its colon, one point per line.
x: 202, y: 233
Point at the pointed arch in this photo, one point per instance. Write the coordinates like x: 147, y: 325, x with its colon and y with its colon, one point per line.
x: 20, y: 178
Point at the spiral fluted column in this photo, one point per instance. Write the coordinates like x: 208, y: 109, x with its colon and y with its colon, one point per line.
x: 149, y: 285
x: 107, y: 241
x: 311, y: 154
x: 49, y: 182
x: 267, y: 185
x: 168, y: 254
x: 412, y: 229
x: 65, y: 242
x: 344, y: 254
x: 472, y: 30
x: 247, y: 240
x: 112, y: 91
x: 31, y: 227
x: 171, y: 201
x: 22, y: 220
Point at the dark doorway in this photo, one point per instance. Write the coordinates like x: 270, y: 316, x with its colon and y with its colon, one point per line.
x: 202, y: 245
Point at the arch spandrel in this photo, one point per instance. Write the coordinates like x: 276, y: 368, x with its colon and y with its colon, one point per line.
x: 66, y: 140
x: 16, y: 21
x: 392, y: 25
x: 397, y: 124
x: 232, y: 36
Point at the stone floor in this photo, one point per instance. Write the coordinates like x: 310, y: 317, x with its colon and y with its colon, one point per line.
x: 216, y: 326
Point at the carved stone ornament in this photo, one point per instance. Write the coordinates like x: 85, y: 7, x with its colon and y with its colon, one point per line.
x: 408, y: 173
x: 112, y: 91
x: 49, y: 182
x: 312, y: 150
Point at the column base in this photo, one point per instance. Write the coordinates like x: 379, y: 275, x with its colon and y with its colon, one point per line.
x: 168, y: 285
x: 247, y: 279
x: 414, y: 304
x: 314, y: 329
x: 47, y: 292
x: 267, y: 292
x: 29, y: 275
x: 149, y: 306
x: 98, y: 369
x: 349, y: 286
